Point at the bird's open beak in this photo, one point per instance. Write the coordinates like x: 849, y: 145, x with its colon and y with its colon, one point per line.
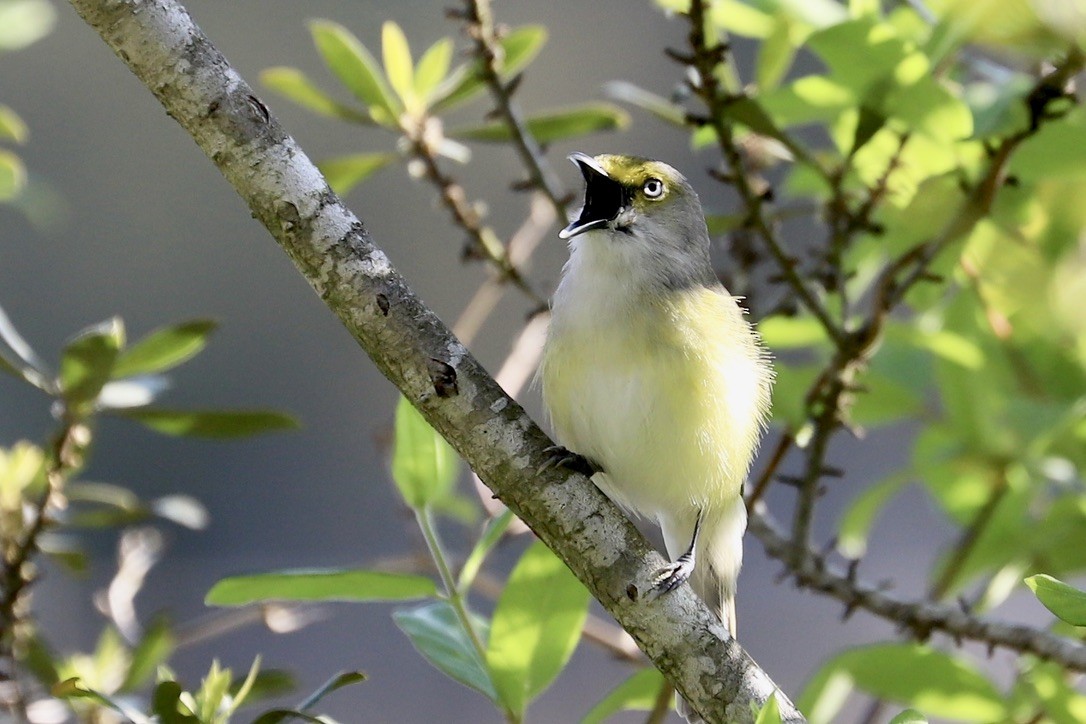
x: 603, y: 197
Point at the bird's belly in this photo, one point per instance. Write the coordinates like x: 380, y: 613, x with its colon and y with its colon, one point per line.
x: 647, y: 414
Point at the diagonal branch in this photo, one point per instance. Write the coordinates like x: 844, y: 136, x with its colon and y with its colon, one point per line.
x: 329, y: 245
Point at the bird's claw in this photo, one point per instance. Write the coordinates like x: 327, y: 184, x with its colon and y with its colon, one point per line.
x: 562, y: 457
x: 671, y: 576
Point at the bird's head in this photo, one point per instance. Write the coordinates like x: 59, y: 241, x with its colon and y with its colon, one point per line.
x: 645, y: 210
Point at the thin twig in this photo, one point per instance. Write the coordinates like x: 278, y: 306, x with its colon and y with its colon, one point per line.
x: 488, y: 50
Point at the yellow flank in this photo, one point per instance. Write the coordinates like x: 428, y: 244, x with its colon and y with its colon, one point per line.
x: 667, y: 396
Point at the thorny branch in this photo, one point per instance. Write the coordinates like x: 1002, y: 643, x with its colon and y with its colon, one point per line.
x: 483, y: 31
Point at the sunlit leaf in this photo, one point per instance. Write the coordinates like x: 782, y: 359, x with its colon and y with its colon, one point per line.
x: 424, y: 465
x: 23, y: 22
x: 856, y: 521
x: 638, y: 693
x: 770, y: 713
x: 349, y: 61
x: 220, y: 424
x: 320, y: 585
x: 519, y: 47
x: 432, y: 67
x: 87, y: 361
x: 398, y: 64
x: 12, y: 175
x: 536, y: 626
x: 436, y: 633
x: 553, y: 125
x: 915, y: 675
x: 662, y: 108
x: 339, y: 681
x: 343, y: 173
x: 294, y: 85
x: 12, y: 128
x: 1065, y: 601
x: 909, y: 716
x: 495, y: 529
x: 156, y: 645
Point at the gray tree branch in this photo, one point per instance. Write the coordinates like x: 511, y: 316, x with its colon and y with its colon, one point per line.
x: 171, y: 56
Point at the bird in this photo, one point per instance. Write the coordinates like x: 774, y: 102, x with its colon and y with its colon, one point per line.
x: 656, y: 385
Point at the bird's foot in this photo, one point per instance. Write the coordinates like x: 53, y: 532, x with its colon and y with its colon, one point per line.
x: 672, y: 576
x: 562, y: 457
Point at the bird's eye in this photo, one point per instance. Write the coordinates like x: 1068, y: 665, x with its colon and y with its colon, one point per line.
x: 653, y: 188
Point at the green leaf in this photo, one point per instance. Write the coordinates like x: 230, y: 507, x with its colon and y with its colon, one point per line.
x: 436, y: 633
x: 914, y: 675
x: 432, y: 68
x: 340, y: 680
x: 12, y: 128
x: 909, y: 716
x: 216, y: 424
x: 536, y: 626
x: 398, y: 64
x: 519, y: 47
x: 1065, y: 601
x: 770, y: 713
x: 23, y: 22
x: 791, y: 332
x: 166, y: 704
x: 343, y: 173
x: 553, y: 125
x: 775, y: 54
x: 294, y: 85
x: 12, y: 175
x: 638, y: 693
x: 495, y: 529
x: 1055, y: 152
x: 424, y: 466
x: 164, y: 348
x: 856, y: 521
x: 349, y: 61
x: 885, y: 401
x: 154, y: 648
x: 319, y: 585
x: 87, y: 361
x: 661, y: 107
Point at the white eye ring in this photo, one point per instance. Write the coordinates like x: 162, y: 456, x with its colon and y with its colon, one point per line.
x: 653, y: 188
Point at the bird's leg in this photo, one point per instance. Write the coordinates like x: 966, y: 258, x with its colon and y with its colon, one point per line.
x: 674, y: 575
x: 562, y: 457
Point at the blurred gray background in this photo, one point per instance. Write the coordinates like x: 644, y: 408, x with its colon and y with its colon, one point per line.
x: 149, y: 231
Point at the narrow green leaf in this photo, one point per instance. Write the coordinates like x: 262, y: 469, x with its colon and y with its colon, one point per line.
x: 553, y: 125
x: 662, y: 108
x: 770, y: 713
x: 343, y: 173
x: 34, y: 369
x: 914, y: 675
x: 87, y: 361
x: 164, y: 348
x: 519, y: 47
x: 424, y: 466
x: 154, y: 648
x: 1065, y: 601
x: 637, y: 693
x: 340, y: 680
x: 12, y: 127
x: 319, y: 585
x: 353, y: 65
x: 241, y: 693
x: 858, y: 518
x: 436, y: 633
x: 432, y: 68
x: 12, y: 175
x: 216, y: 424
x: 495, y: 529
x: 775, y: 54
x: 274, y: 716
x: 536, y: 626
x: 398, y: 64
x: 909, y: 716
x: 294, y: 85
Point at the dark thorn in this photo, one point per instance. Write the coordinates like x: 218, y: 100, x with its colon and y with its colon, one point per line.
x: 455, y: 14
x: 678, y: 56
x: 696, y: 119
x: 850, y: 608
x: 831, y: 472
x: 794, y: 481
x: 443, y: 376
x: 524, y: 185
x: 853, y: 566
x: 631, y: 592
x: 827, y: 549
x: 512, y: 86
x: 991, y: 649
x: 1012, y: 181
x: 382, y: 304
x: 884, y: 585
x: 964, y: 604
